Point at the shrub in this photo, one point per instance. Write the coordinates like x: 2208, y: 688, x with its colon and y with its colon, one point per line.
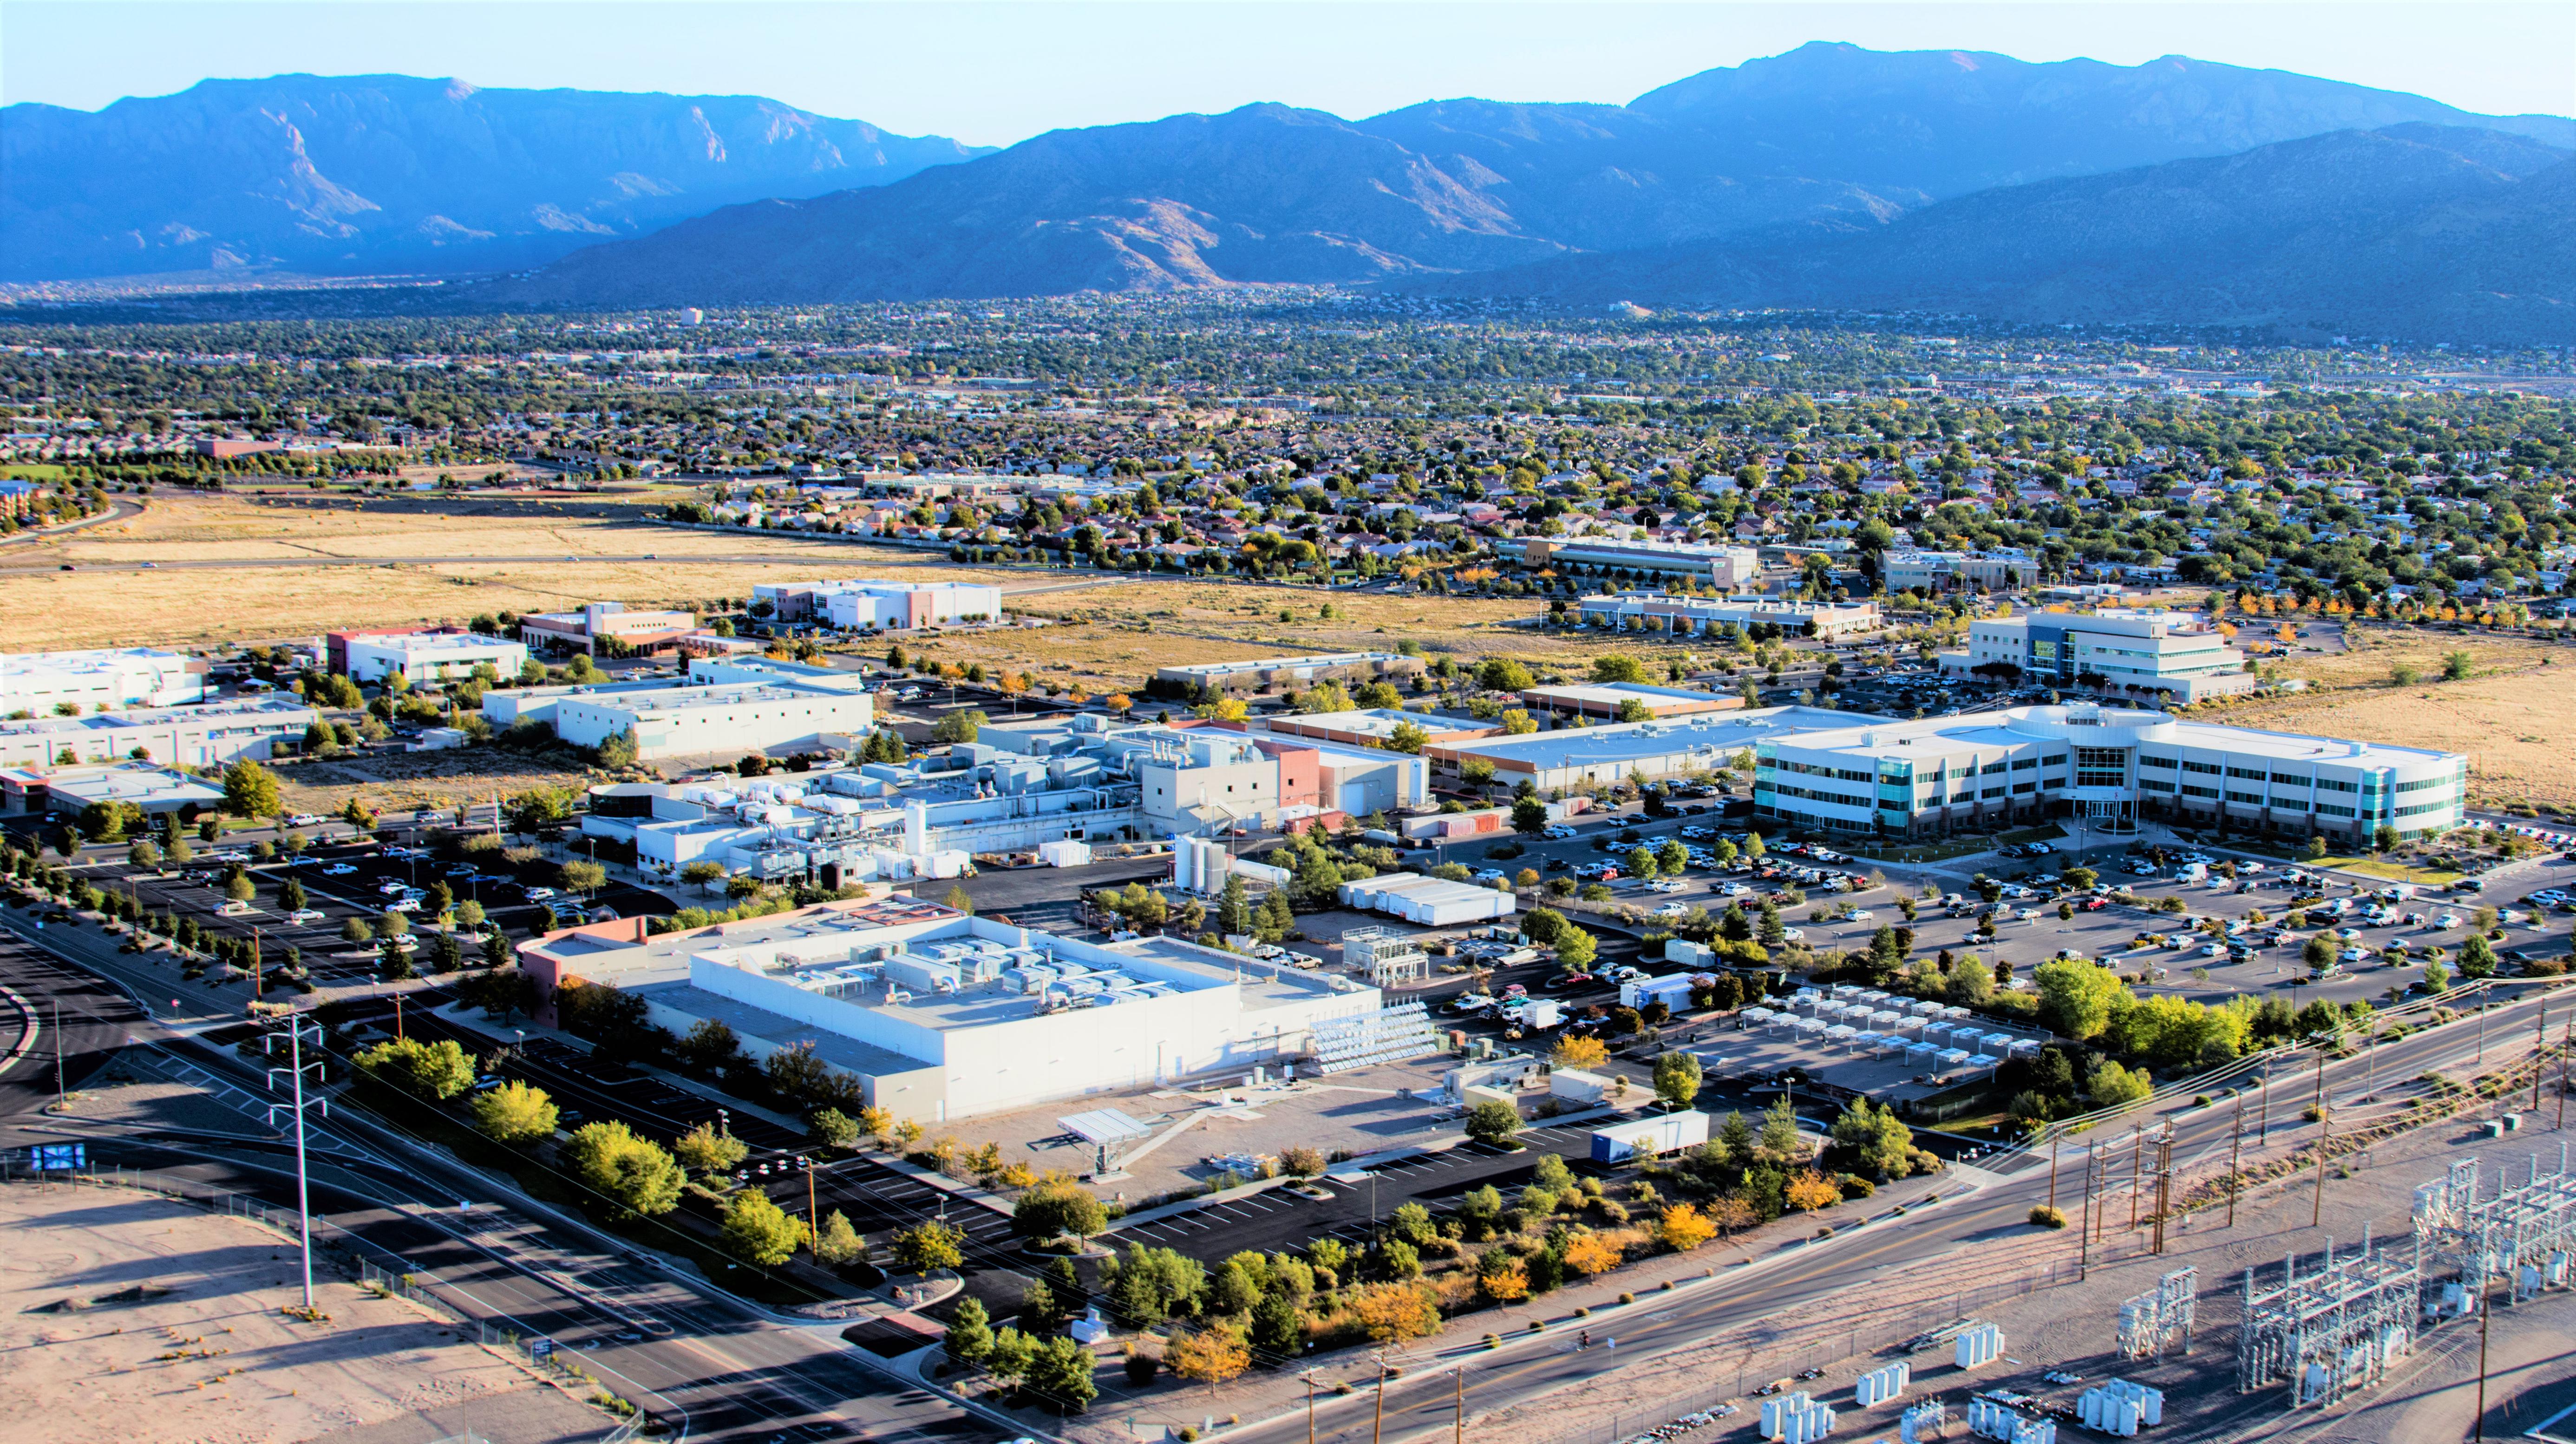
x: 2048, y: 1216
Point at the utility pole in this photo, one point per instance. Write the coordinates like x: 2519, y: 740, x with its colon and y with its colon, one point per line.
x: 296, y: 1028
x: 2263, y: 1105
x: 813, y: 1220
x: 1377, y: 1430
x: 2235, y: 1150
x: 2566, y: 1045
x: 2164, y: 1185
x: 2484, y: 1309
x: 398, y: 1018
x: 2084, y: 1230
x: 2325, y: 1131
x: 1460, y: 1437
x: 2054, y: 1144
x: 2539, y: 1052
x: 1310, y: 1406
x: 2482, y: 1023
x: 60, y: 1096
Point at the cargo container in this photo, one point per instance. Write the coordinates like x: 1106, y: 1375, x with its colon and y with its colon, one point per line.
x: 1649, y: 1137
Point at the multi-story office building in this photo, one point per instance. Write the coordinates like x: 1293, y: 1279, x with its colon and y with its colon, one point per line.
x: 2109, y: 767
x: 861, y: 603
x: 1262, y: 674
x: 428, y: 656
x: 2172, y: 655
x: 1717, y: 565
x: 209, y: 735
x: 1936, y: 571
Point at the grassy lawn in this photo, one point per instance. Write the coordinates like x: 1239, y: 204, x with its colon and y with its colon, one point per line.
x: 2393, y: 871
x: 32, y: 471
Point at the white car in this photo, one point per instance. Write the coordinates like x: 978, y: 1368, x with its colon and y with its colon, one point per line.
x: 1735, y: 889
x: 1671, y: 910
x: 1663, y: 885
x: 540, y: 894
x: 338, y: 869
x: 306, y: 915
x: 1489, y: 874
x: 1793, y: 935
x: 2350, y: 935
x: 1557, y: 830
x: 2447, y: 920
x: 391, y: 888
x: 403, y: 905
x: 2214, y: 950
x: 1863, y: 915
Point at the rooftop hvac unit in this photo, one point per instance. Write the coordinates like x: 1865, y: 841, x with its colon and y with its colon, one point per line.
x: 1384, y: 1036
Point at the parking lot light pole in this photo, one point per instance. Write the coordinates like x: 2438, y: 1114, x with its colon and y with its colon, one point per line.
x: 295, y: 1031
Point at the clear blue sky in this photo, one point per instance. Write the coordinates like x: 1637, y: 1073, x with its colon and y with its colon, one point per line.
x: 996, y: 73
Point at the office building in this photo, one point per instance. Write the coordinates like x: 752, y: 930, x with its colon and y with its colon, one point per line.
x: 607, y: 628
x: 1565, y: 760
x: 44, y: 682
x: 1714, y: 565
x: 424, y: 657
x: 2172, y: 656
x: 1994, y: 570
x: 1610, y: 699
x: 862, y: 604
x: 2107, y: 767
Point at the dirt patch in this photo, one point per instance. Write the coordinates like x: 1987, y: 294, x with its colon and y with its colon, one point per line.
x: 132, y: 1318
x: 449, y: 778
x: 2509, y: 720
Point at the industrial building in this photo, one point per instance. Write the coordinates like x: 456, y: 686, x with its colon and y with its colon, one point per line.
x: 940, y: 1016
x: 1655, y: 611
x: 208, y: 735
x: 1562, y: 761
x: 42, y: 682
x: 864, y: 604
x: 1609, y: 699
x: 2170, y: 655
x: 2108, y: 766
x: 1265, y: 674
x: 1716, y: 565
x: 428, y: 656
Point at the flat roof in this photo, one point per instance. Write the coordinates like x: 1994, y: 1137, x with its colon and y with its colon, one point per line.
x: 1382, y: 722
x: 2119, y: 727
x: 1631, y: 741
x: 1328, y: 659
x: 1611, y: 694
x: 209, y: 712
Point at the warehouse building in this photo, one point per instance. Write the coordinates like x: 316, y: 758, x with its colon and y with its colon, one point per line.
x: 157, y: 791
x: 2108, y: 767
x: 428, y: 656
x: 603, y: 627
x: 42, y: 682
x: 1375, y: 726
x: 208, y: 735
x: 939, y: 1016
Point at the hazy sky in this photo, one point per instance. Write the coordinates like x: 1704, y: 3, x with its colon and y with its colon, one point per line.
x: 996, y: 73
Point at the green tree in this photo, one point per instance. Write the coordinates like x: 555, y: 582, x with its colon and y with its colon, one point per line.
x: 701, y: 874
x: 929, y: 1245
x: 1408, y: 739
x: 840, y: 1243
x: 1502, y: 674
x: 1677, y: 1079
x: 1493, y: 1121
x: 1061, y: 1374
x: 1575, y: 950
x: 708, y: 1151
x: 1147, y: 1285
x: 1617, y: 667
x: 757, y: 1230
x: 970, y: 1334
x: 2112, y: 1085
x: 515, y: 1113
x: 631, y: 1171
x: 250, y: 790
x: 959, y: 726
x: 1057, y: 1207
x: 1529, y: 815
x: 2477, y: 959
x: 581, y: 877
x: 1779, y: 1140
x: 434, y: 1071
x: 2078, y: 997
x: 1873, y: 1138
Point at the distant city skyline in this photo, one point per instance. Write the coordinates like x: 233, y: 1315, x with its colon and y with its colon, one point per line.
x: 994, y: 73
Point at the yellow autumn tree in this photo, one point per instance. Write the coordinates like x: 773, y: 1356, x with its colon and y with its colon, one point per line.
x: 1393, y: 1312
x: 1812, y: 1190
x: 1681, y: 1228
x: 1591, y: 1254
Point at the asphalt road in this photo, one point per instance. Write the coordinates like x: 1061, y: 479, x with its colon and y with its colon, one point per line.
x: 717, y: 1368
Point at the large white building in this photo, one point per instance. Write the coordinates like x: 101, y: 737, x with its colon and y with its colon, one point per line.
x: 724, y: 706
x: 863, y: 603
x: 37, y: 682
x: 1642, y: 611
x: 2136, y: 654
x: 209, y: 735
x: 2108, y: 766
x: 432, y: 656
x: 940, y: 1016
x: 1567, y: 759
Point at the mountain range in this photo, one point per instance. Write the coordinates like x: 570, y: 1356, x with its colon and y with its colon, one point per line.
x: 1834, y: 176
x: 376, y: 173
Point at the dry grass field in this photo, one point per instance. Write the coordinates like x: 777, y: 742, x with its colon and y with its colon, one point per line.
x: 525, y: 559
x: 2511, y: 718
